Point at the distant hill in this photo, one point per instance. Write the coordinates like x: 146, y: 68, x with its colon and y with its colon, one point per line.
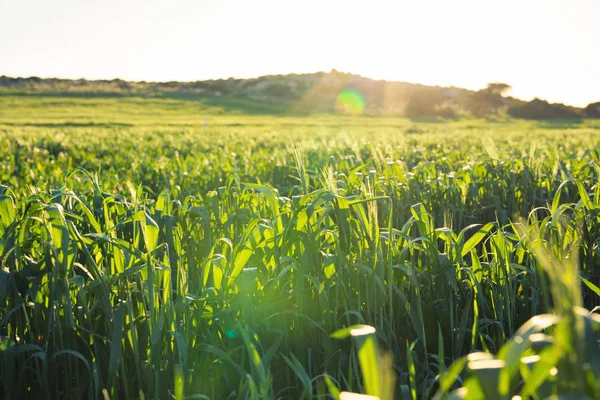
x: 310, y: 93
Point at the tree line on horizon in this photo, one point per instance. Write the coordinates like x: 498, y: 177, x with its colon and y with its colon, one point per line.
x: 316, y: 93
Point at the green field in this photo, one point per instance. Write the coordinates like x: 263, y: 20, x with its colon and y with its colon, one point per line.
x: 167, y: 248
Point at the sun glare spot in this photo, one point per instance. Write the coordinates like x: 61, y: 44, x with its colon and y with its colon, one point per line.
x: 362, y: 330
x: 350, y: 101
x: 230, y: 334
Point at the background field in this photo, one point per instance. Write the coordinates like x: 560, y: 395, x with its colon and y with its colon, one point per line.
x: 89, y: 130
x: 171, y: 247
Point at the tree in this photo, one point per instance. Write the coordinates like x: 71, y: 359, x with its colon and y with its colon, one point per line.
x: 497, y: 88
x: 489, y: 99
x: 424, y: 102
x: 592, y: 110
x: 541, y: 109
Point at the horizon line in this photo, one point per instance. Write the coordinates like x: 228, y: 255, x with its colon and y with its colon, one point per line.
x: 280, y: 74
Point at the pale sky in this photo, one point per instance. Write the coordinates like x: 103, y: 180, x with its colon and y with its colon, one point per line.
x: 544, y: 48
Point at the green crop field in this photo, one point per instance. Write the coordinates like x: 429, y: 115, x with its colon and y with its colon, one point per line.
x: 168, y: 248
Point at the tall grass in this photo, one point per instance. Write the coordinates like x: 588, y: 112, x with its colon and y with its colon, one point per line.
x: 225, y: 263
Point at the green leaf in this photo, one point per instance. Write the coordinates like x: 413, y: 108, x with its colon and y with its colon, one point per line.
x: 590, y: 285
x: 367, y: 356
x: 476, y: 239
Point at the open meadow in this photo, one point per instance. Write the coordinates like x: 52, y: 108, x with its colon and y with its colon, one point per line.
x: 165, y: 248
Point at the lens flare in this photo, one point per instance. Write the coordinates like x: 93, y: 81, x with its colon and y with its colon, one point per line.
x: 350, y: 101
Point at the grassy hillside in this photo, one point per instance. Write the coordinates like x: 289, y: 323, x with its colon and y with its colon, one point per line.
x: 302, y: 94
x: 292, y: 94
